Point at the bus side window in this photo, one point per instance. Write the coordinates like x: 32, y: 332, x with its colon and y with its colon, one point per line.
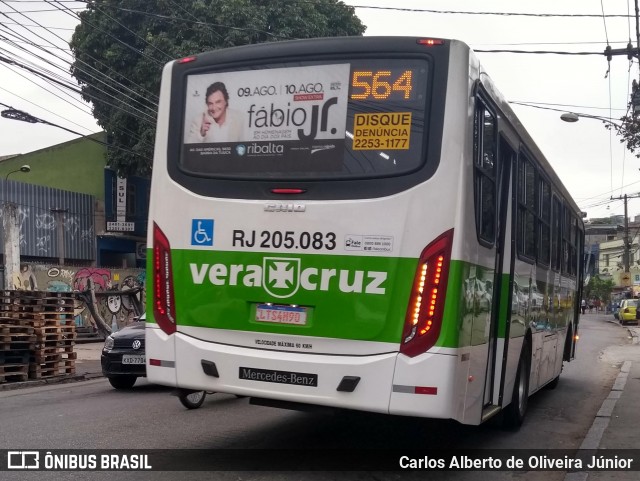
x: 544, y: 226
x: 556, y: 234
x: 570, y: 241
x: 527, y: 211
x: 485, y: 154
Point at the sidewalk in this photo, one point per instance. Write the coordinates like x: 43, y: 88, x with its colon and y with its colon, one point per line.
x: 87, y: 367
x: 88, y: 360
x: 616, y: 424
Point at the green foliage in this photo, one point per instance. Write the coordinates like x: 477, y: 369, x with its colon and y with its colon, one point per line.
x: 120, y: 48
x: 598, y: 289
x: 629, y: 133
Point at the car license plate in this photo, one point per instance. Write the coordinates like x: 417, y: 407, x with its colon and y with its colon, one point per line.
x: 132, y: 359
x: 281, y: 314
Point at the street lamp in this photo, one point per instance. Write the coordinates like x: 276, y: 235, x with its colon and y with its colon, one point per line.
x: 15, y: 114
x: 25, y: 168
x: 572, y: 117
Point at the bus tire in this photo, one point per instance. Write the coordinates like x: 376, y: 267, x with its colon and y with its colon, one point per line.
x: 192, y: 400
x: 554, y: 383
x: 515, y: 412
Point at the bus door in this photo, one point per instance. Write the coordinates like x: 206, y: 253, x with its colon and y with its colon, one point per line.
x: 497, y: 340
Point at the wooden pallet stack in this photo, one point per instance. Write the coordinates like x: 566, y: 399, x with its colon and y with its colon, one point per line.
x: 17, y: 340
x: 49, y: 316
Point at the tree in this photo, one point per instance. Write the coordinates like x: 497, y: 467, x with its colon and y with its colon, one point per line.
x: 598, y: 289
x: 629, y: 132
x: 121, y: 47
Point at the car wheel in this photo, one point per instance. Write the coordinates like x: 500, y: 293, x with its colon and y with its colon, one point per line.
x: 192, y: 400
x: 515, y: 412
x: 122, y: 382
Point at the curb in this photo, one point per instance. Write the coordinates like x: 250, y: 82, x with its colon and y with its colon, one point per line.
x: 66, y: 379
x: 634, y: 334
x: 600, y: 424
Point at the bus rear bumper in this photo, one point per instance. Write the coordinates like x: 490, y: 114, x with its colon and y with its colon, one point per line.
x: 382, y: 380
x: 264, y: 374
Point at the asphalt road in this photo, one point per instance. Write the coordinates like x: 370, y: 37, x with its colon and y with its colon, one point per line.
x: 92, y: 415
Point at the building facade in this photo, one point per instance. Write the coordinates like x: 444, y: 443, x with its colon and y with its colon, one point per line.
x: 74, y: 210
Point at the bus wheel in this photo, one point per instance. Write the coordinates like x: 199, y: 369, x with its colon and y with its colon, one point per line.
x: 554, y: 383
x: 515, y: 412
x: 192, y: 400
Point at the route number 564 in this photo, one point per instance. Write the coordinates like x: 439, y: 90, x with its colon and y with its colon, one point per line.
x: 380, y: 85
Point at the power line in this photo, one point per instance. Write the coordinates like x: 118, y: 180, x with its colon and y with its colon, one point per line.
x: 45, y: 27
x: 46, y: 110
x: 167, y: 56
x: 118, y: 40
x: 604, y: 20
x: 200, y: 22
x: 151, y: 114
x: 152, y: 107
x: 525, y: 104
x: 538, y: 52
x: 110, y: 69
x: 500, y: 14
x: 535, y: 104
x: 16, y: 114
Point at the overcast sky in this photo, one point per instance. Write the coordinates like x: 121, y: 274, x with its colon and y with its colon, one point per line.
x: 590, y: 161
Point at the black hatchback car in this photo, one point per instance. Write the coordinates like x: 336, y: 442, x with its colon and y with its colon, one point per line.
x: 123, y: 356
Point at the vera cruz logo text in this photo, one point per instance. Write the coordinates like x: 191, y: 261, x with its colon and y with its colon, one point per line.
x: 282, y: 277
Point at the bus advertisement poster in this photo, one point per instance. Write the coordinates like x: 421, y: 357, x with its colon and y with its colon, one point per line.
x: 243, y: 120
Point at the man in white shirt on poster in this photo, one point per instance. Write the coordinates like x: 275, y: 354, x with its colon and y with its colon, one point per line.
x: 218, y: 123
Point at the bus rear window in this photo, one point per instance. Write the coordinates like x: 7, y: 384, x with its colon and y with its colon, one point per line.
x: 344, y: 118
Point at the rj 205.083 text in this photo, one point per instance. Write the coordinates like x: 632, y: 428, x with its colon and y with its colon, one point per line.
x: 284, y: 240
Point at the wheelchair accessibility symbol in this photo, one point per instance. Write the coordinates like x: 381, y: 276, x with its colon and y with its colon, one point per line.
x: 202, y: 232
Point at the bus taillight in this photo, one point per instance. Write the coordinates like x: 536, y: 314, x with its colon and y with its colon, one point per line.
x: 426, y: 304
x: 164, y: 309
x: 430, y: 42
x: 187, y: 59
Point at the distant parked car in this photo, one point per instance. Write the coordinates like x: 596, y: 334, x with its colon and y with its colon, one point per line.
x: 123, y: 356
x: 627, y: 312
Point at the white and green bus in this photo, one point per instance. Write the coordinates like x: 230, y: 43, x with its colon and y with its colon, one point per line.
x: 358, y: 223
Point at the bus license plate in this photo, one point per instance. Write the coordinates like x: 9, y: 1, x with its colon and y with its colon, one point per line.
x: 132, y: 359
x: 281, y: 314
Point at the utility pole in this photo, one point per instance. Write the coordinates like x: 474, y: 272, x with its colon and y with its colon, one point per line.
x: 626, y: 256
x: 11, y: 229
x: 626, y: 237
x: 631, y: 52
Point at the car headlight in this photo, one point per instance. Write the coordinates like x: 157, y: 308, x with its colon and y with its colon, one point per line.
x: 108, y: 343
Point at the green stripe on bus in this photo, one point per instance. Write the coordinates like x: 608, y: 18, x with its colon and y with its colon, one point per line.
x: 350, y: 297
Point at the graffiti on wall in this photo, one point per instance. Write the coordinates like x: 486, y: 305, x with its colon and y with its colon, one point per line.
x: 45, y: 225
x: 116, y: 310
